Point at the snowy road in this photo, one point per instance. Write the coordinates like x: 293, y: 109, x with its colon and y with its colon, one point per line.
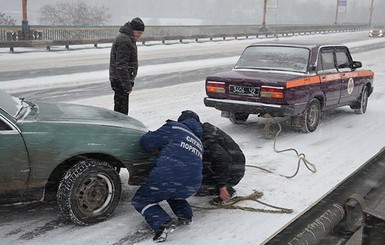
x: 342, y: 142
x: 38, y: 76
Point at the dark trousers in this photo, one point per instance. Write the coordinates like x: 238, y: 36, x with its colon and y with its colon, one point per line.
x: 146, y: 201
x: 121, y: 102
x: 121, y: 96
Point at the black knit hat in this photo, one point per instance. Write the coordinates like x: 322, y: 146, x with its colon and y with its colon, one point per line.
x: 187, y: 115
x: 137, y: 24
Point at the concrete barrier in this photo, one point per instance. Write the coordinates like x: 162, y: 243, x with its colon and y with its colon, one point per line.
x: 47, y: 36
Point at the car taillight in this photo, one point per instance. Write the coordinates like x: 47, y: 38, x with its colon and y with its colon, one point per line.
x: 215, y: 87
x: 272, y: 92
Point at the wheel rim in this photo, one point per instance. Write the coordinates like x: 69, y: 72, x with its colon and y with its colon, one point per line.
x: 313, y: 115
x: 94, y: 194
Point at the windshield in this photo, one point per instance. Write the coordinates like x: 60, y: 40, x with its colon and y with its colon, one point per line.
x: 10, y: 104
x: 274, y: 58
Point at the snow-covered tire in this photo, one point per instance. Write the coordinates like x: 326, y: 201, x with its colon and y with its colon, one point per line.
x: 89, y: 192
x: 363, y: 104
x: 238, y: 117
x: 309, y: 120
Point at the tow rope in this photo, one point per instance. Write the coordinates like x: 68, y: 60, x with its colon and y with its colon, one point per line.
x: 252, y: 197
x: 256, y: 194
x: 301, y: 156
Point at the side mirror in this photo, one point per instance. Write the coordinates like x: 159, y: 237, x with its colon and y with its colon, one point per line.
x: 344, y: 65
x: 356, y: 64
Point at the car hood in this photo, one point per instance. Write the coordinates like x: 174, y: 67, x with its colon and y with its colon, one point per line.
x: 248, y: 74
x: 80, y: 114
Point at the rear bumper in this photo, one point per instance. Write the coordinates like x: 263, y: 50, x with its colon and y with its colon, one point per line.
x: 250, y: 107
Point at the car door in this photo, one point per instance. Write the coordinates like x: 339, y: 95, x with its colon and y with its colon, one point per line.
x: 329, y: 76
x: 14, y: 163
x: 349, y: 88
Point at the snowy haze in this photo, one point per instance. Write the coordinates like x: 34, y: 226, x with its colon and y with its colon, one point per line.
x: 197, y: 12
x: 341, y: 144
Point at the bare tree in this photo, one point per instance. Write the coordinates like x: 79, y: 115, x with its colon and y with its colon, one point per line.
x: 7, y: 20
x: 74, y: 13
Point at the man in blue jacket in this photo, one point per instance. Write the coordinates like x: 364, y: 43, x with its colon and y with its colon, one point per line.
x: 176, y: 175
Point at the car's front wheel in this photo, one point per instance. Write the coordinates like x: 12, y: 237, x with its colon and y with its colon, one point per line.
x: 89, y: 192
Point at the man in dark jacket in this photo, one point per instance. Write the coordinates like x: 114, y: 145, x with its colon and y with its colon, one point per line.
x: 223, y: 164
x: 124, y: 63
x: 176, y: 175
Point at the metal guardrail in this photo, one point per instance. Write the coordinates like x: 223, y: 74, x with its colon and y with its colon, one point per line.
x: 342, y: 212
x: 47, y: 36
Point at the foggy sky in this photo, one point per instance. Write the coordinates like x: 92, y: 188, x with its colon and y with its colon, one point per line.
x: 192, y: 12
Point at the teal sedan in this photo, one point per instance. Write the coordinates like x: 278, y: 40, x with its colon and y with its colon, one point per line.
x: 71, y: 153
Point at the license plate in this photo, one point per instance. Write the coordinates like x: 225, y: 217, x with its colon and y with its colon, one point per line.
x: 242, y: 90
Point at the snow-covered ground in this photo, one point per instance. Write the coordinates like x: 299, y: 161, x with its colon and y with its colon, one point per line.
x: 342, y: 143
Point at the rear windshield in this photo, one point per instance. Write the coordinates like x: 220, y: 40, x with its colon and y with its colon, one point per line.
x: 274, y: 58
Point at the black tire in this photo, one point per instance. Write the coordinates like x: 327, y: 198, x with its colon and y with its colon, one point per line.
x: 238, y: 117
x: 89, y: 192
x: 309, y: 120
x: 363, y: 104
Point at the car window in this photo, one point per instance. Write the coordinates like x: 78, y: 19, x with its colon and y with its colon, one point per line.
x: 343, y: 61
x: 274, y: 58
x: 4, y: 126
x: 327, y: 61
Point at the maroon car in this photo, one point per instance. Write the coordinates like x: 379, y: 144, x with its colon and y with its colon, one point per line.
x: 285, y: 79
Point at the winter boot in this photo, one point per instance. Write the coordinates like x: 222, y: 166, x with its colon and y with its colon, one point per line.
x: 184, y: 221
x: 161, y: 233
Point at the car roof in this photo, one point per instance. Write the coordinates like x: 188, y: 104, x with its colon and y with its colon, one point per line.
x: 293, y: 43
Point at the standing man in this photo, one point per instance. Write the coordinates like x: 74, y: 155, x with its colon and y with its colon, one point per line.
x: 124, y: 63
x: 223, y: 164
x: 176, y: 175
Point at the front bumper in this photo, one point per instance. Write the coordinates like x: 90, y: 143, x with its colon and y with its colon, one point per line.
x: 376, y: 34
x: 250, y: 107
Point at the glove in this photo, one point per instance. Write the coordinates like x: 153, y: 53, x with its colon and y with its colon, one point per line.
x: 127, y: 87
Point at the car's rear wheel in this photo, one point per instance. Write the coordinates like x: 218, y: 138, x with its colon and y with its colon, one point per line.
x: 238, y: 117
x: 309, y: 120
x: 89, y: 192
x: 363, y: 104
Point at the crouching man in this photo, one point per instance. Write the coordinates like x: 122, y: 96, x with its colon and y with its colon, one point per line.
x: 223, y: 164
x: 176, y: 175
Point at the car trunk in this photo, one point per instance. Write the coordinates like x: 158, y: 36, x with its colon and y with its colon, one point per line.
x: 245, y: 84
